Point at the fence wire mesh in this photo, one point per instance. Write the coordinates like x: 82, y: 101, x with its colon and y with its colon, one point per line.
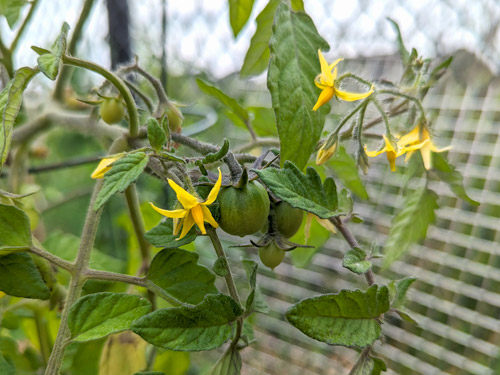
x: 456, y: 299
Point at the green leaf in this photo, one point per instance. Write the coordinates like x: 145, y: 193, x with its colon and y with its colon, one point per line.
x: 226, y: 100
x: 176, y: 271
x: 205, y: 326
x: 125, y: 171
x: 220, y: 267
x: 350, y: 318
x: 448, y: 174
x: 162, y: 236
x: 156, y: 135
x: 11, y: 99
x: 19, y: 277
x: 405, y: 316
x: 6, y: 366
x: 410, y: 224
x: 257, y: 56
x: 11, y: 10
x: 229, y: 363
x: 403, y: 52
x: 216, y: 156
x: 355, y: 261
x: 293, y: 66
x: 255, y: 300
x: 398, y: 290
x: 85, y: 361
x: 100, y: 314
x: 346, y: 170
x: 304, y: 191
x: 301, y: 256
x: 298, y: 5
x: 50, y: 63
x: 15, y: 232
x: 239, y: 13
x: 368, y: 365
x: 150, y: 373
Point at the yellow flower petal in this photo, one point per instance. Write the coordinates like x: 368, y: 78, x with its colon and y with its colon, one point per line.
x: 325, y: 69
x: 324, y: 97
x: 352, y: 96
x: 197, y: 213
x: 177, y: 223
x: 325, y: 154
x: 187, y: 200
x: 214, y: 192
x: 391, y: 158
x: 372, y: 154
x: 426, y: 156
x: 178, y: 214
x: 411, y: 137
x: 104, y: 166
x: 207, y: 216
x: 327, y: 224
x: 187, y: 224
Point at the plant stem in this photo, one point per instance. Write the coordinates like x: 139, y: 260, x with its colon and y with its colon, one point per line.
x: 134, y: 210
x: 68, y: 266
x: 259, y: 142
x: 346, y: 233
x: 364, y: 353
x: 65, y: 73
x: 113, y: 276
x: 231, y: 286
x: 77, y: 281
x: 43, y: 337
x: 22, y: 28
x: 118, y: 83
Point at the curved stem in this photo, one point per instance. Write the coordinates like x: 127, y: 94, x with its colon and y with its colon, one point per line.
x: 118, y: 83
x: 22, y: 28
x: 134, y: 210
x: 417, y: 102
x: 66, y: 71
x: 355, y: 77
x: 346, y: 233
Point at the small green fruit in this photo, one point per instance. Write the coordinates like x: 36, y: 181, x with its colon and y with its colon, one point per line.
x: 243, y: 210
x: 112, y: 110
x: 271, y: 255
x: 288, y: 219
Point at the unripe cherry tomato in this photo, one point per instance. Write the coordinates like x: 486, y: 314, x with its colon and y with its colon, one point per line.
x: 271, y: 255
x: 288, y: 219
x: 112, y: 110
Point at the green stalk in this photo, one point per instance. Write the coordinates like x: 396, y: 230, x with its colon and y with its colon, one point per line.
x: 118, y: 83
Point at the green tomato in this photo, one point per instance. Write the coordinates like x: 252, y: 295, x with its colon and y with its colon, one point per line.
x: 243, y: 210
x: 271, y: 255
x: 175, y: 117
x: 288, y: 219
x: 112, y: 110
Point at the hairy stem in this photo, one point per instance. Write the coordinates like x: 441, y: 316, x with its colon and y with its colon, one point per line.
x: 231, y: 286
x: 65, y: 73
x: 118, y: 83
x: 54, y: 259
x: 23, y: 26
x: 76, y: 283
x: 346, y: 233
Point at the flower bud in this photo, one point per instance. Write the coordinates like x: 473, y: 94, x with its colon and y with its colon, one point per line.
x: 327, y: 150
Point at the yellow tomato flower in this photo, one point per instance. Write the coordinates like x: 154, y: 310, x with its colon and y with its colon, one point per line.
x: 326, y: 151
x: 2, y: 294
x: 419, y: 135
x: 326, y: 82
x: 104, y: 166
x: 193, y: 212
x: 392, y: 153
x: 325, y: 223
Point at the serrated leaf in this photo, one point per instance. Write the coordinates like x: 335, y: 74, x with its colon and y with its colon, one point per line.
x: 398, y: 290
x: 205, y: 326
x: 19, y: 277
x: 255, y: 300
x: 304, y: 191
x: 15, y: 232
x: 50, y: 63
x: 228, y: 364
x: 239, y: 13
x: 349, y: 318
x: 11, y: 99
x: 410, y: 224
x: 293, y: 66
x: 448, y: 174
x: 11, y: 10
x: 355, y: 261
x: 162, y: 236
x: 125, y: 171
x: 403, y: 52
x: 100, y: 314
x: 257, y: 56
x: 368, y: 365
x: 156, y: 135
x: 176, y: 271
x: 346, y: 170
x: 222, y: 97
